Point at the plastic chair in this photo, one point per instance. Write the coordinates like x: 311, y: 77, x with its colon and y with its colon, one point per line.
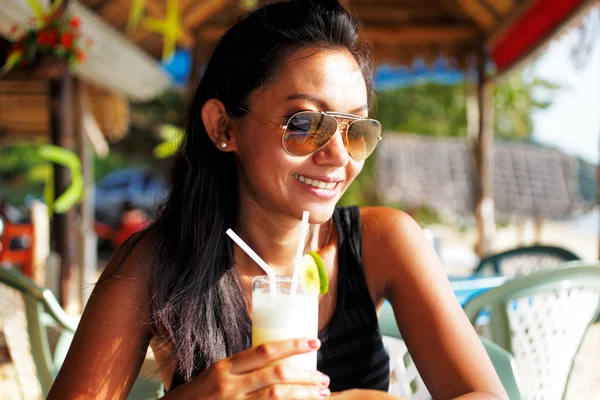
x: 405, y: 380
x: 42, y: 311
x: 541, y: 319
x: 24, y: 233
x: 524, y: 260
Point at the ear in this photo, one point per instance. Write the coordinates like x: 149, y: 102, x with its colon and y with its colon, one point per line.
x: 219, y: 125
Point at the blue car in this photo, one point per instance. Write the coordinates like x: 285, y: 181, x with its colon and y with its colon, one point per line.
x: 141, y: 187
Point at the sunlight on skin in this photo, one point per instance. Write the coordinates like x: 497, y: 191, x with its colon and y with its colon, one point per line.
x: 328, y: 80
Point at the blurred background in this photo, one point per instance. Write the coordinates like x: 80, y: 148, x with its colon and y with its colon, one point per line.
x: 490, y: 110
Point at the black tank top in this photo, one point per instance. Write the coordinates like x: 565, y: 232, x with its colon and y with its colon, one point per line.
x: 352, y: 352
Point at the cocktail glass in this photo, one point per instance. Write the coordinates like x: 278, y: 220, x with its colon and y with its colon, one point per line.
x: 282, y: 315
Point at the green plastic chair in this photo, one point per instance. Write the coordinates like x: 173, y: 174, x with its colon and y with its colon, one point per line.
x: 541, y: 319
x: 405, y: 379
x: 524, y: 260
x: 43, y: 311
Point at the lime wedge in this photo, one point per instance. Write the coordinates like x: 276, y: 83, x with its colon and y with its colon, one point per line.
x: 313, y: 277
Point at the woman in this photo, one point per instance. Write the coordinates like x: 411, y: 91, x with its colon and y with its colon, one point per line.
x: 250, y: 162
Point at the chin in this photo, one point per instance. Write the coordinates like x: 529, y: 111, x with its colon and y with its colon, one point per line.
x: 319, y: 212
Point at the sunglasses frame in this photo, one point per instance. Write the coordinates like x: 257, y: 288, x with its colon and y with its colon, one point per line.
x: 343, y: 126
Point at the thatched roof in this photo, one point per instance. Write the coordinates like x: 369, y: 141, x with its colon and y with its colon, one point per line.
x: 400, y: 30
x: 438, y: 173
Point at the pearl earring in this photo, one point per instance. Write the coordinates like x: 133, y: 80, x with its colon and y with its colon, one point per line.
x: 223, y: 145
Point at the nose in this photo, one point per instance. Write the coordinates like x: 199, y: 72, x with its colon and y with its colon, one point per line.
x: 334, y: 152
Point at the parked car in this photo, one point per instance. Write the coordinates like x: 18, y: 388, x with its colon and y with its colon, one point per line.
x: 141, y: 187
x: 132, y: 188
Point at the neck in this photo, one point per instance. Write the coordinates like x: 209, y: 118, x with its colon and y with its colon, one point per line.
x: 275, y: 239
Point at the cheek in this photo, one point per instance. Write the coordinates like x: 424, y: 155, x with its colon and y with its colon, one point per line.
x: 355, y: 168
x: 263, y: 159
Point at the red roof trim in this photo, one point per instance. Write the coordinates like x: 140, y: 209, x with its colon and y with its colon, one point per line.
x: 536, y: 24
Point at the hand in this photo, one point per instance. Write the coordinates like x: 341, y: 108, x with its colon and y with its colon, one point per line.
x: 251, y: 375
x: 361, y: 394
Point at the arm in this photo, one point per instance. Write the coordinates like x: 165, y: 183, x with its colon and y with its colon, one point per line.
x: 402, y: 266
x: 111, y: 340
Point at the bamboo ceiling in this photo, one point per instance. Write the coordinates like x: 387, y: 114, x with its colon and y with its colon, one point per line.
x: 400, y: 30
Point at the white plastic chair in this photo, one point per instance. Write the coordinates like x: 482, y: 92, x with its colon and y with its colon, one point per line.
x: 541, y: 319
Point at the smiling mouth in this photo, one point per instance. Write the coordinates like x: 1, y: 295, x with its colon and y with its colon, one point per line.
x: 315, y: 183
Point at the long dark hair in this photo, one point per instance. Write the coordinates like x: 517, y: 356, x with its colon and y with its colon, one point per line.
x: 197, y: 306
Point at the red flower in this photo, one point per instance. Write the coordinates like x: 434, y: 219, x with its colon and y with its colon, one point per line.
x: 75, y: 23
x: 14, y: 29
x: 80, y: 56
x: 66, y: 40
x: 46, y: 38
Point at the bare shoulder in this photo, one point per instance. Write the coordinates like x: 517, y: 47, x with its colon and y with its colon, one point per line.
x: 392, y: 242
x: 381, y: 222
x: 130, y: 265
x: 113, y: 335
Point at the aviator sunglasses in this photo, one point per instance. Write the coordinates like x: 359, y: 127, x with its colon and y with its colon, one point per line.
x: 308, y: 131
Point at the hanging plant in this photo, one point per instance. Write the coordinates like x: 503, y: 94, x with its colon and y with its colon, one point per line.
x: 53, y: 44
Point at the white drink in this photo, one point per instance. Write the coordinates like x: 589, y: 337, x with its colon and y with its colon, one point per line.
x: 284, y: 316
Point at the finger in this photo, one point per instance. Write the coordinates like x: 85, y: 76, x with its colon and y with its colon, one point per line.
x: 293, y: 392
x: 261, y: 356
x: 284, y: 374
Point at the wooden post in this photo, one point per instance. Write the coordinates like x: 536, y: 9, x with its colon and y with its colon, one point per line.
x: 61, y: 134
x: 62, y: 224
x: 482, y: 147
x: 87, y: 255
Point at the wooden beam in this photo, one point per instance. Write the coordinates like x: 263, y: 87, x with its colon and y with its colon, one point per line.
x: 478, y: 13
x: 413, y: 35
x: 490, y: 10
x: 508, y: 21
x: 417, y: 35
x: 212, y: 33
x: 203, y: 12
x: 392, y: 14
x: 454, y: 10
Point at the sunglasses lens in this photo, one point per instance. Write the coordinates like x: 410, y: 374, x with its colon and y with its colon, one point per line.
x: 307, y: 132
x: 363, y: 136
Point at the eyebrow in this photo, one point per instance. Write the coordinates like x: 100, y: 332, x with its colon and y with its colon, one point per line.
x: 321, y: 103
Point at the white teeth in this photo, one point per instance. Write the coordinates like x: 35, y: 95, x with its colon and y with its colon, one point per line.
x: 315, y: 183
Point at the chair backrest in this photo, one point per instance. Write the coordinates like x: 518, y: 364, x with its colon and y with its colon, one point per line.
x: 524, y: 260
x: 405, y: 380
x: 541, y: 319
x: 41, y: 310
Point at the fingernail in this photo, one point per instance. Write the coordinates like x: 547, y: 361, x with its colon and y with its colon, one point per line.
x: 313, y: 343
x: 325, y: 380
x: 324, y: 392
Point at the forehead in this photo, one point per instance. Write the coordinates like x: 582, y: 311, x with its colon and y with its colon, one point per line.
x: 331, y: 75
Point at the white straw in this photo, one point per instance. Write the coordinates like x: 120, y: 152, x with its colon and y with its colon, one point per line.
x: 300, y: 250
x: 255, y: 257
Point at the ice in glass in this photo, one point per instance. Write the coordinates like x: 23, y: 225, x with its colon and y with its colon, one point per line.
x: 282, y: 316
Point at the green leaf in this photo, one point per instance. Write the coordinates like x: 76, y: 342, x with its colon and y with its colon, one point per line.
x: 75, y: 191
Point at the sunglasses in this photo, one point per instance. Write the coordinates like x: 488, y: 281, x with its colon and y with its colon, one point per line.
x: 308, y: 131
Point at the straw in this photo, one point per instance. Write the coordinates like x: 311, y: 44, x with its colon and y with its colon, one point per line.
x: 300, y: 250
x: 255, y: 257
